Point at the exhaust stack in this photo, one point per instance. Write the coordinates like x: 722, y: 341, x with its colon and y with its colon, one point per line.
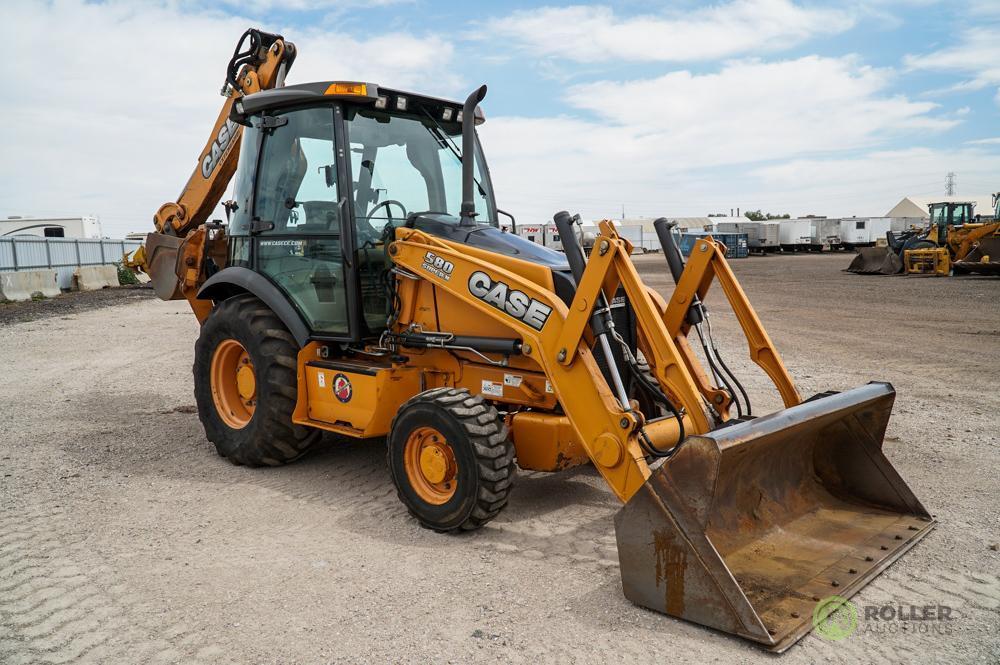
x: 469, y: 155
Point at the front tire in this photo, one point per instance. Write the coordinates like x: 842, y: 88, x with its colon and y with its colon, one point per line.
x: 245, y: 385
x: 450, y: 459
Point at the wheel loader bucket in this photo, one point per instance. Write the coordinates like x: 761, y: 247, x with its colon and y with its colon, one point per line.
x: 876, y: 261
x: 161, y: 259
x: 748, y: 527
x: 983, y: 260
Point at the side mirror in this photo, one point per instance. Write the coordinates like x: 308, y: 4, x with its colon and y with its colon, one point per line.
x: 513, y: 222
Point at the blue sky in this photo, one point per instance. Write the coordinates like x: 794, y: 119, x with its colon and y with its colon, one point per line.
x: 676, y: 108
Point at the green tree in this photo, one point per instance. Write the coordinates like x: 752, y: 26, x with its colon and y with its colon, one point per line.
x: 758, y: 216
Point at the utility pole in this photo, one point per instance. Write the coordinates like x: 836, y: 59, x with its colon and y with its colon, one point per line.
x: 949, y: 184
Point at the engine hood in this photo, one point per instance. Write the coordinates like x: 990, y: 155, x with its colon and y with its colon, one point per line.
x: 489, y: 238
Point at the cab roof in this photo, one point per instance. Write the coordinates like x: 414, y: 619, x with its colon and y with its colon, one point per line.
x: 358, y: 92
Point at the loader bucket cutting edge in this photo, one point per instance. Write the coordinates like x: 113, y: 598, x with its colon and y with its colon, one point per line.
x: 746, y: 528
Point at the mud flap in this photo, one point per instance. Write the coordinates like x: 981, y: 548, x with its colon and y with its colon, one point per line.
x: 162, y: 252
x: 876, y: 261
x: 746, y: 528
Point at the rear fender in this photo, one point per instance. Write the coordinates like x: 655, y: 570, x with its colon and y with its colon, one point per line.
x: 235, y: 280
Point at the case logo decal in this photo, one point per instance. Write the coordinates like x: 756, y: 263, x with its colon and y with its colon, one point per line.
x: 516, y: 303
x: 219, y: 147
x: 342, y: 388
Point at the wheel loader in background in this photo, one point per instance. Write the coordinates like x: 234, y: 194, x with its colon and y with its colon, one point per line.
x: 362, y: 286
x: 952, y: 236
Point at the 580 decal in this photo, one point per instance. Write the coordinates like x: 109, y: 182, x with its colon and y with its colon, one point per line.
x: 511, y: 301
x: 436, y: 265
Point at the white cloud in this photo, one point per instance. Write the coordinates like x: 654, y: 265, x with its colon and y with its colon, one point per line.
x: 594, y: 33
x: 107, y: 106
x: 872, y: 183
x: 307, y: 5
x: 673, y: 144
x: 976, y: 54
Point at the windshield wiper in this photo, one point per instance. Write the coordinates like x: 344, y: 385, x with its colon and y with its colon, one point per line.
x: 442, y: 137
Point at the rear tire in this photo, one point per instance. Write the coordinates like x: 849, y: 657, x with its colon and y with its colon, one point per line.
x: 255, y: 424
x: 450, y: 459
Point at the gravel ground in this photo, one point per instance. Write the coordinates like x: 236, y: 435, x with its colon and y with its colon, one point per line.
x: 125, y: 539
x: 67, y: 304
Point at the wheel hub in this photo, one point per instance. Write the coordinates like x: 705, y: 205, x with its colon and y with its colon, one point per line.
x: 246, y: 383
x: 430, y: 465
x: 234, y: 383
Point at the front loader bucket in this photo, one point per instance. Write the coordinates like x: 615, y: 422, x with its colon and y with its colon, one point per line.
x: 746, y: 528
x: 876, y: 261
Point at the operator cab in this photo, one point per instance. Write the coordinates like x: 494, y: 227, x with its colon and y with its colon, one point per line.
x: 952, y: 214
x: 327, y: 170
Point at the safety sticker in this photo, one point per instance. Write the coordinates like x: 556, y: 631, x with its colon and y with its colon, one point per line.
x: 492, y: 388
x: 512, y: 380
x: 548, y: 387
x: 322, y: 379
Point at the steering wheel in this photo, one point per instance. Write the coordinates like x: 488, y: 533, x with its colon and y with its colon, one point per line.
x: 387, y: 203
x: 376, y: 234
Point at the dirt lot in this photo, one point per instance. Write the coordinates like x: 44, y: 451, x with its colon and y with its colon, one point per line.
x: 124, y: 538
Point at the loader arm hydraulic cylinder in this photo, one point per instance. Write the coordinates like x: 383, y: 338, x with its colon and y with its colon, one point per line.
x: 600, y: 322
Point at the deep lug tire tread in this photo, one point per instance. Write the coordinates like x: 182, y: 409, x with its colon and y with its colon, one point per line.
x: 270, y: 438
x: 490, y: 447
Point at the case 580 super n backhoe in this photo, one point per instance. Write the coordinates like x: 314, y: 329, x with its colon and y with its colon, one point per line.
x: 362, y: 286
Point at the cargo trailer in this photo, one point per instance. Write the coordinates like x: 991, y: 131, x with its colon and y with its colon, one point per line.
x: 827, y: 232
x: 796, y: 235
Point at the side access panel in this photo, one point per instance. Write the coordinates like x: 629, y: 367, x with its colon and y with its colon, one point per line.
x: 357, y: 399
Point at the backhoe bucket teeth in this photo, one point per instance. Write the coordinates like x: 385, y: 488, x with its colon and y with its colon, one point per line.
x: 876, y: 261
x: 747, y: 527
x: 161, y: 258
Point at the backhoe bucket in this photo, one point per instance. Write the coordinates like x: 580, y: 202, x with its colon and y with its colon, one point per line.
x: 876, y: 261
x: 161, y: 259
x: 746, y: 528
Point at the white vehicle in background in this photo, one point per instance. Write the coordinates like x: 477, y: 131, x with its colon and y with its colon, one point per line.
x: 533, y: 232
x: 85, y: 226
x: 796, y: 235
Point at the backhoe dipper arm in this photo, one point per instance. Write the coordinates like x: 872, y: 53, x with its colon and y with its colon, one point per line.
x: 259, y: 62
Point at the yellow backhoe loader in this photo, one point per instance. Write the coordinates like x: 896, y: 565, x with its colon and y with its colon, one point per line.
x: 362, y: 286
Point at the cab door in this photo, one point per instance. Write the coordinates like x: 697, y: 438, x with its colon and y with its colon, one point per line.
x: 298, y: 220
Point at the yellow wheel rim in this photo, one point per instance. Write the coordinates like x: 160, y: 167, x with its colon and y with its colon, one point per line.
x: 430, y: 465
x: 234, y: 384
